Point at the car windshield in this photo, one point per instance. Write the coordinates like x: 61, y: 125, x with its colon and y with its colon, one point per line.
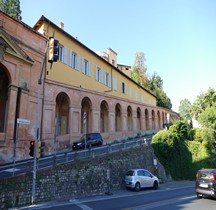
x: 130, y: 173
x: 204, y: 175
x: 90, y: 136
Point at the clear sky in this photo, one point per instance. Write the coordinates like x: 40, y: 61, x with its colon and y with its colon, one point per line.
x: 178, y: 37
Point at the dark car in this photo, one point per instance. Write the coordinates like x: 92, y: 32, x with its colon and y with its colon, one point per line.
x: 206, y: 183
x: 90, y: 139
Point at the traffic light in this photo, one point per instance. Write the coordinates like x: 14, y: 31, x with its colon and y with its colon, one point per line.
x: 40, y: 150
x: 53, y: 50
x: 31, y: 148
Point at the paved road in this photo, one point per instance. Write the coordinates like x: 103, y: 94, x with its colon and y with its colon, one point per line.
x: 169, y: 196
x: 26, y: 166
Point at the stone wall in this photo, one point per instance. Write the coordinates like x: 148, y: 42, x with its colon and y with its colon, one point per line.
x: 82, y: 178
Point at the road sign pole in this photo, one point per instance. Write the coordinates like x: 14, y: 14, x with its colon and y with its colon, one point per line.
x: 84, y: 121
x: 14, y: 150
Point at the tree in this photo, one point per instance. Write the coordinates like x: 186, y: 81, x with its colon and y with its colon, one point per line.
x: 139, y: 69
x: 185, y: 109
x: 203, y: 101
x: 204, y: 111
x: 11, y: 7
x: 155, y: 84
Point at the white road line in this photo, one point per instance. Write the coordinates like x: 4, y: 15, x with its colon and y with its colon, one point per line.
x: 81, y: 205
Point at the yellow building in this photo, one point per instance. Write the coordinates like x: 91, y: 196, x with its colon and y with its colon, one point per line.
x: 83, y: 81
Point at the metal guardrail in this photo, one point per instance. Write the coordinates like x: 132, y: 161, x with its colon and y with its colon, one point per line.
x: 24, y: 167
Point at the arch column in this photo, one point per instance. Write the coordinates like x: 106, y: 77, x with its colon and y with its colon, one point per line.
x: 112, y: 125
x: 11, y: 114
x: 95, y: 127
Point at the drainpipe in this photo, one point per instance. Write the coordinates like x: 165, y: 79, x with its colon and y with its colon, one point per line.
x: 17, y: 112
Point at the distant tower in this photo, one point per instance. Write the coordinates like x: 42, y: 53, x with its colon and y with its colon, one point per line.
x: 139, y: 60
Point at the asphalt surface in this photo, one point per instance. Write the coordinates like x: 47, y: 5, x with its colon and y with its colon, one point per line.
x: 111, y: 194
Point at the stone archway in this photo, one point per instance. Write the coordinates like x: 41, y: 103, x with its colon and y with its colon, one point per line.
x: 118, y: 122
x: 4, y: 83
x: 153, y: 120
x: 62, y: 114
x: 104, y: 119
x: 138, y: 119
x: 147, y: 119
x: 129, y: 118
x: 86, y: 107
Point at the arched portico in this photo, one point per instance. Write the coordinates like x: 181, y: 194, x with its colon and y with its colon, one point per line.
x: 4, y: 84
x: 62, y: 114
x: 86, y: 107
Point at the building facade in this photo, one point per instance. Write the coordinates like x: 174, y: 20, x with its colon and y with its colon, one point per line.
x: 21, y: 57
x: 82, y: 83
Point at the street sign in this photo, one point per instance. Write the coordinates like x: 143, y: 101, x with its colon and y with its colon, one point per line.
x: 23, y: 121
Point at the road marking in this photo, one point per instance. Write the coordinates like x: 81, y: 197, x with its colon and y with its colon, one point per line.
x: 160, y: 203
x: 81, y: 205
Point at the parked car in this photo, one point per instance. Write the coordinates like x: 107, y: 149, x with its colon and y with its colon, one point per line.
x: 140, y: 178
x: 206, y: 183
x: 90, y: 139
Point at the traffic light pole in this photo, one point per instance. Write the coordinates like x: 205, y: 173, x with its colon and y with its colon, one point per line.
x: 37, y: 127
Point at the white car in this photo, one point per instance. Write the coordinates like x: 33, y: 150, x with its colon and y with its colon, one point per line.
x: 140, y: 178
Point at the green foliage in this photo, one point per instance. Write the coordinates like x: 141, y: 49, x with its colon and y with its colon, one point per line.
x: 204, y: 101
x: 155, y: 84
x: 185, y: 109
x: 11, y: 7
x: 180, y: 157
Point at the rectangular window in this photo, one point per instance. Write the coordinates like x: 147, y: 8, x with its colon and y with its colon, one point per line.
x: 123, y: 87
x: 114, y: 83
x: 74, y: 60
x: 106, y: 79
x: 61, y: 57
x: 137, y: 96
x: 98, y: 74
x: 142, y: 99
x: 131, y: 93
x: 63, y: 54
x: 86, y: 67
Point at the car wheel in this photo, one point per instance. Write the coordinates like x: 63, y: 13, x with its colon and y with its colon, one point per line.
x: 155, y: 185
x: 137, y: 187
x: 199, y: 195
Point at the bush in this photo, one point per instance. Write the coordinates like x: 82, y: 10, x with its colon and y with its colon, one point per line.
x: 180, y: 157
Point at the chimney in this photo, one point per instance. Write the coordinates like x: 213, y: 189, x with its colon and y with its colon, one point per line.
x: 61, y: 25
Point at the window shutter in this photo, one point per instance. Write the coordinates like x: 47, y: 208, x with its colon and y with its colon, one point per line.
x: 114, y: 83
x: 70, y: 58
x: 78, y: 62
x: 89, y: 68
x: 96, y: 73
x: 105, y: 77
x: 83, y: 66
x: 65, y: 55
x: 101, y: 76
x: 109, y: 80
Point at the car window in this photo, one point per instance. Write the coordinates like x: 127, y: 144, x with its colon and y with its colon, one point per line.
x: 147, y: 174
x: 130, y: 173
x: 204, y: 175
x: 140, y: 173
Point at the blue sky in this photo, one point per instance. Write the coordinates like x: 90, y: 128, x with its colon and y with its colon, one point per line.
x: 178, y: 37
